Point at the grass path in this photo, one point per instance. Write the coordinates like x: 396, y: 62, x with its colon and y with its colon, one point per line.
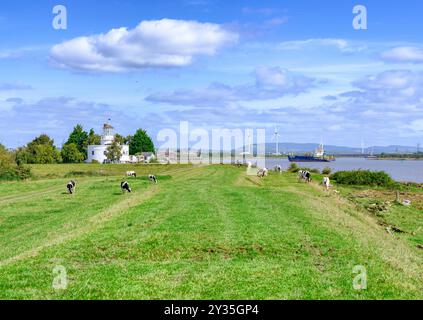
x: 206, y: 233
x: 70, y: 230
x: 94, y: 222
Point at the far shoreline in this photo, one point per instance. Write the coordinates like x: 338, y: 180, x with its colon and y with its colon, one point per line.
x: 397, y: 159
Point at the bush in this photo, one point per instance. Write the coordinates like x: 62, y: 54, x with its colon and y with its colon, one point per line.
x: 71, y: 154
x: 8, y: 175
x: 327, y: 171
x: 293, y: 167
x: 9, y: 170
x: 363, y: 178
x: 15, y: 173
x: 23, y: 172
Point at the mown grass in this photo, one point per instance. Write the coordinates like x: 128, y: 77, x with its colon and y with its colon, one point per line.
x: 201, y: 233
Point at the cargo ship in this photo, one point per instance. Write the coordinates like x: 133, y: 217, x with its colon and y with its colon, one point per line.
x: 318, y: 156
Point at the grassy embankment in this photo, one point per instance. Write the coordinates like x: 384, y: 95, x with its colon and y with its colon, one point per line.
x: 201, y: 233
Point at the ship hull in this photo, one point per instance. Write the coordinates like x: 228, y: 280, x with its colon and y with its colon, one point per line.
x: 308, y: 159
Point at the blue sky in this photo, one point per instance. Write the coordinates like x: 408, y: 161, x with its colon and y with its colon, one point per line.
x: 299, y: 65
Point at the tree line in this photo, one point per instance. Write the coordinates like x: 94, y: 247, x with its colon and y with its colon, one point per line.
x: 42, y: 150
x: 417, y: 155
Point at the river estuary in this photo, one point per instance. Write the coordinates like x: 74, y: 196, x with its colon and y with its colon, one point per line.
x: 400, y: 170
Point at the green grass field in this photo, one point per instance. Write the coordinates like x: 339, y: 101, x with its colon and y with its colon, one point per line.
x: 201, y: 233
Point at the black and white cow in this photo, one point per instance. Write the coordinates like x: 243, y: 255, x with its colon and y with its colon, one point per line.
x: 152, y: 178
x: 125, y: 187
x: 263, y: 173
x: 326, y: 182
x: 304, y: 175
x: 131, y: 174
x: 71, y: 186
x: 278, y: 168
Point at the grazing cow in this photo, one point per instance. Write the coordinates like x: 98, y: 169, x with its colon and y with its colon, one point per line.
x: 131, y: 174
x: 326, y: 182
x: 125, y: 187
x: 304, y: 175
x: 152, y: 178
x: 263, y: 173
x: 278, y: 168
x: 71, y: 186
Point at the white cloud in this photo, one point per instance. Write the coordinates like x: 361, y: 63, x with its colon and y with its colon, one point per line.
x: 263, y: 11
x: 396, y: 88
x: 156, y: 43
x: 281, y: 79
x: 14, y: 86
x: 393, y: 79
x: 6, y: 55
x: 417, y: 125
x: 387, y: 104
x: 341, y: 44
x: 270, y: 83
x: 56, y: 116
x: 404, y: 54
x: 276, y: 22
x: 335, y: 127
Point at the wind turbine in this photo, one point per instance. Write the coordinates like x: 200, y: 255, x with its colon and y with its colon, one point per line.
x: 276, y: 137
x: 248, y: 146
x: 249, y: 142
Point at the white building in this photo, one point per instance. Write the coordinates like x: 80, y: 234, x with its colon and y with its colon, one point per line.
x: 98, y: 153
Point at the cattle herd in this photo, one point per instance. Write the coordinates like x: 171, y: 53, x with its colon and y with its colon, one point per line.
x: 303, y: 175
x: 124, y: 185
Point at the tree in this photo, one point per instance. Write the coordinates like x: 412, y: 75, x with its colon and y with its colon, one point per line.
x: 119, y: 139
x: 127, y: 139
x: 93, y: 138
x: 9, y: 170
x: 141, y: 142
x: 79, y: 137
x: 22, y: 155
x: 42, y: 139
x: 114, y: 152
x: 6, y: 160
x: 45, y: 154
x: 71, y: 154
x: 41, y: 150
x: 123, y: 140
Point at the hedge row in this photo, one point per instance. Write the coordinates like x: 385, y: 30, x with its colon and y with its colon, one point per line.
x: 15, y: 173
x: 363, y: 178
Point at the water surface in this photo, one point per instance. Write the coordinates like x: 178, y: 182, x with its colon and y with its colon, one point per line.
x: 400, y: 170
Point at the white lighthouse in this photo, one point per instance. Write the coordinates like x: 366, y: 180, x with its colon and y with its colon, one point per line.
x: 98, y: 153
